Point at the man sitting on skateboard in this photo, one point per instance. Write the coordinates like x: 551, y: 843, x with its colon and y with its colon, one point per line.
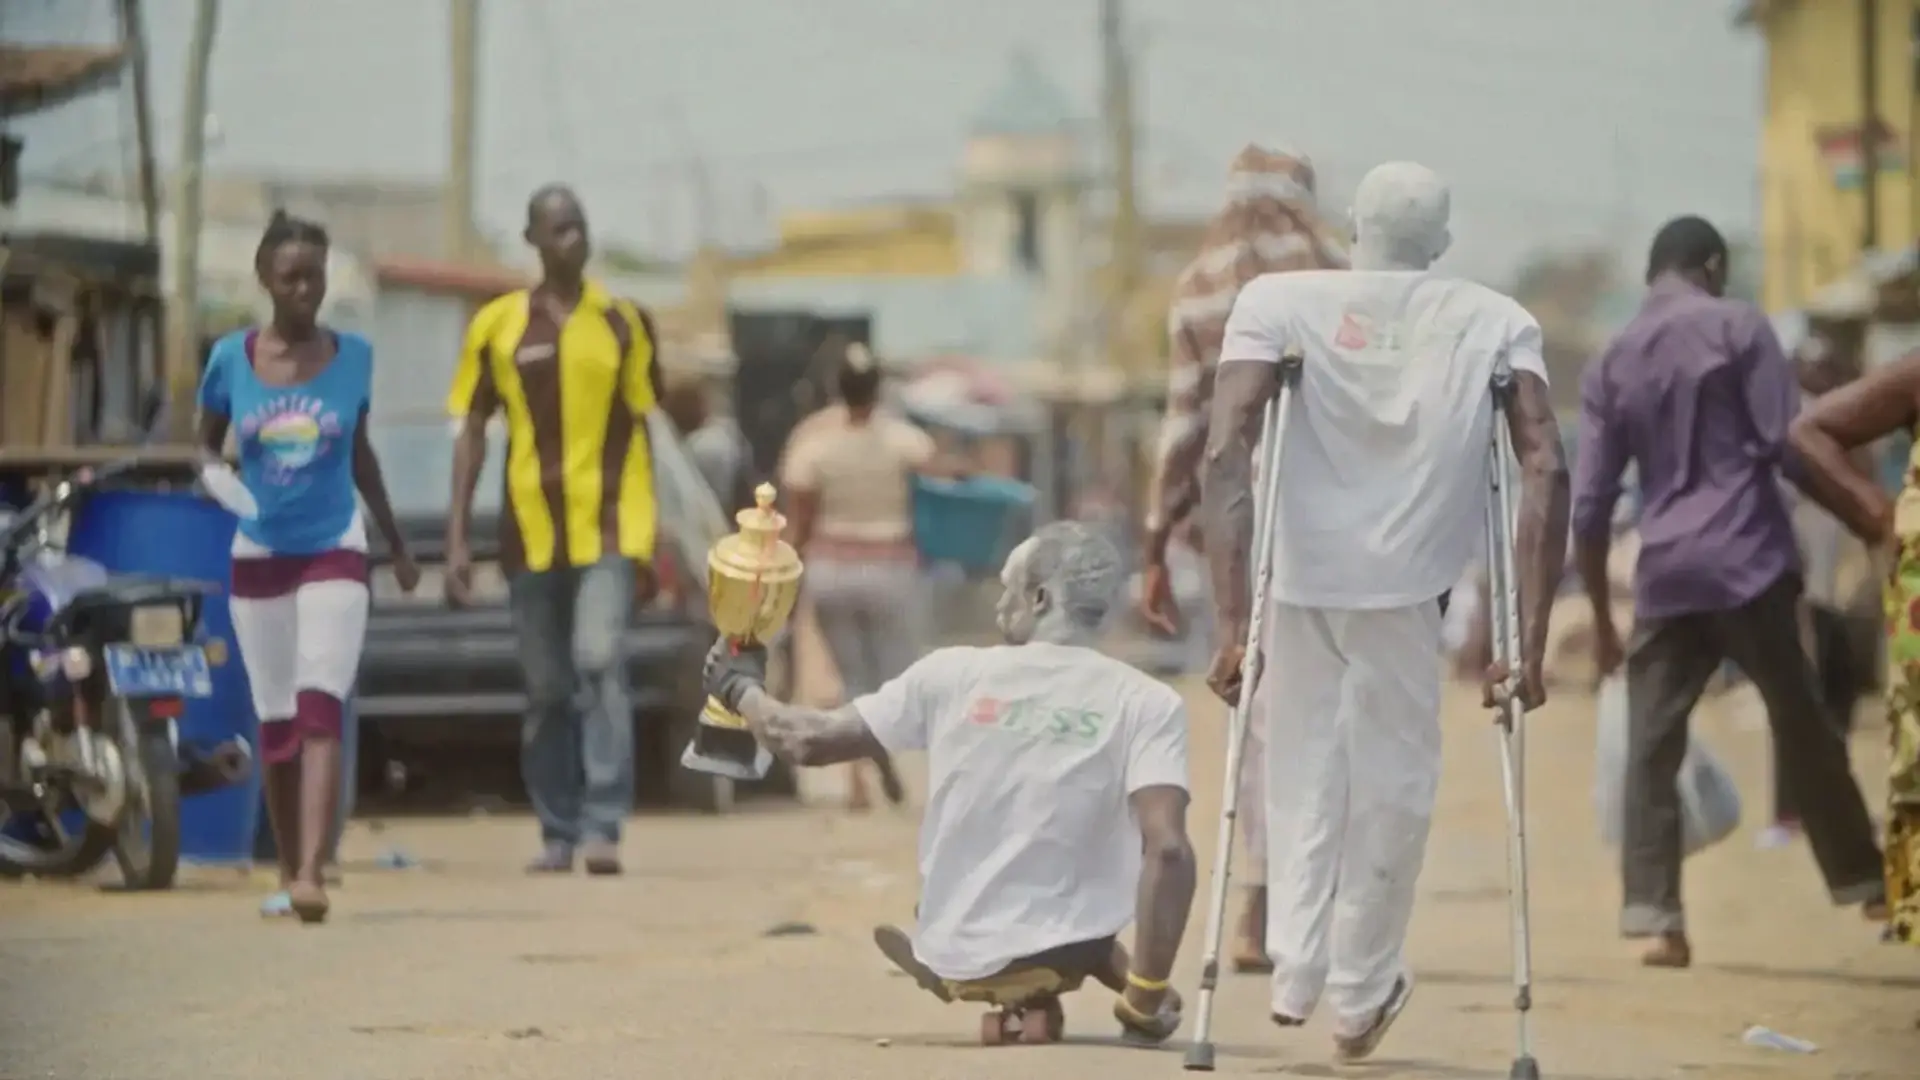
x: 1057, y: 805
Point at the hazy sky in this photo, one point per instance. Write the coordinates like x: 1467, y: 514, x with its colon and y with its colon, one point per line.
x: 1556, y: 120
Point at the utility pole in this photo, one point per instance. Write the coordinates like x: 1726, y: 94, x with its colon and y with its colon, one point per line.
x: 133, y: 41
x: 1124, y: 266
x: 463, y: 35
x: 183, y: 305
x: 1869, y: 15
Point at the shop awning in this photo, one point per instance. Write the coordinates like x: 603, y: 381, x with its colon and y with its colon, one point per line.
x: 36, y: 77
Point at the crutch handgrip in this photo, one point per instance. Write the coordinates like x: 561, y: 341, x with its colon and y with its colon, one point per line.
x: 1292, y: 362
x: 1501, y: 384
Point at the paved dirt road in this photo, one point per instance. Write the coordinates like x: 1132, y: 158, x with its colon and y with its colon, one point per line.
x: 465, y: 969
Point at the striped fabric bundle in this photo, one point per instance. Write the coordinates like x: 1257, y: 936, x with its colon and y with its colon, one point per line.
x: 1270, y: 224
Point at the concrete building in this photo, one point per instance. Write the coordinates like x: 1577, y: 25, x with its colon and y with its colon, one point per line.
x: 1837, y: 154
x: 996, y: 269
x: 1001, y: 269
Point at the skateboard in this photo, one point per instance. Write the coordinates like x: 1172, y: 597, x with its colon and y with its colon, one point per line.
x: 1035, y: 1023
x: 1026, y: 1005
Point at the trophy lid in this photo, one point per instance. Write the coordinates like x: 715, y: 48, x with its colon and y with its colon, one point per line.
x: 756, y: 552
x: 761, y: 523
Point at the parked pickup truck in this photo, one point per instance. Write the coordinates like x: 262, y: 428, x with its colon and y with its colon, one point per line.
x: 440, y: 685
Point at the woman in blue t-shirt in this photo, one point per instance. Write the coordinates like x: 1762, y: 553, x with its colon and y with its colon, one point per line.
x: 295, y: 395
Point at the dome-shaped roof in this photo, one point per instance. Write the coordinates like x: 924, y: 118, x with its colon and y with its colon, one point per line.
x: 1027, y: 102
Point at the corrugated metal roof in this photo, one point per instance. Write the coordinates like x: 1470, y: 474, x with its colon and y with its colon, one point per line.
x: 38, y: 77
x: 988, y: 318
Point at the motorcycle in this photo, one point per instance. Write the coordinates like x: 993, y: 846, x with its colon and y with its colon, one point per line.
x: 95, y: 672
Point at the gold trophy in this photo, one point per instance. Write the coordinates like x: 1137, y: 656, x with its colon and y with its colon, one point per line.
x: 753, y: 578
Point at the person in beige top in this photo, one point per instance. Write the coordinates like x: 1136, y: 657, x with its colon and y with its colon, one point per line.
x: 848, y: 475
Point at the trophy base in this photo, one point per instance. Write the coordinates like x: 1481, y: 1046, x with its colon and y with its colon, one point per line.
x: 723, y: 745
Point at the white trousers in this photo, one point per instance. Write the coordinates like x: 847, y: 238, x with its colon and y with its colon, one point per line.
x: 1352, y: 702
x: 300, y: 621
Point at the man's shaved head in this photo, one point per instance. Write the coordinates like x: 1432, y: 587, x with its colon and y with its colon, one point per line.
x: 550, y: 197
x: 557, y: 229
x: 1400, y: 215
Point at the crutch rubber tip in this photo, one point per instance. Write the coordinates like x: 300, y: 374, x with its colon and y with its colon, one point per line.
x: 1524, y: 1068
x: 1199, y: 1057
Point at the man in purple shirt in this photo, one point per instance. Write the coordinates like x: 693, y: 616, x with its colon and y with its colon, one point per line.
x: 1697, y: 393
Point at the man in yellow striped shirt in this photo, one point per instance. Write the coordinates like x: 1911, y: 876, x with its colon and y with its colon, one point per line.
x: 573, y: 369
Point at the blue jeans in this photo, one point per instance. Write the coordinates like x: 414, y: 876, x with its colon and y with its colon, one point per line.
x: 576, y: 747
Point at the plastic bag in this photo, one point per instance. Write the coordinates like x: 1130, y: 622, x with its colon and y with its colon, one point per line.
x: 1709, y: 800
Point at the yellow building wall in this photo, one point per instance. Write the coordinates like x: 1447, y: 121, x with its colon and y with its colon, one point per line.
x: 865, y: 242
x: 1811, y: 229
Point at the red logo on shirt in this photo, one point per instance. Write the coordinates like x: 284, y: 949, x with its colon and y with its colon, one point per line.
x: 1352, y: 334
x: 984, y: 711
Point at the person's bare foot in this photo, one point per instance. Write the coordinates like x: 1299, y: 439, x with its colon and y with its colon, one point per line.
x: 859, y: 799
x: 1250, y: 939
x: 1670, y: 951
x: 1876, y: 911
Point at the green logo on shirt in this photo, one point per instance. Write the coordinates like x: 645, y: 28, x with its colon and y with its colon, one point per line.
x: 1039, y: 719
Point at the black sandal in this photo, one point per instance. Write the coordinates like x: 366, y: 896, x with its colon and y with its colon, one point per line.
x: 897, y: 947
x: 1360, y: 1047
x: 1140, y: 1029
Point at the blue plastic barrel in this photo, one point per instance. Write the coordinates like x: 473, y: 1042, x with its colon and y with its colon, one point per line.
x: 181, y: 535
x: 973, y: 523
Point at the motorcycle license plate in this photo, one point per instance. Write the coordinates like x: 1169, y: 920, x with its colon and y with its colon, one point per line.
x: 179, y: 671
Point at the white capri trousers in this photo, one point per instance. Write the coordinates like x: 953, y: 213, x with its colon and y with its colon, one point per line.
x: 300, y: 622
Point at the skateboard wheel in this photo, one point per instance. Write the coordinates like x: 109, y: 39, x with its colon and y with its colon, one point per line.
x: 993, y: 1029
x: 1036, y: 1026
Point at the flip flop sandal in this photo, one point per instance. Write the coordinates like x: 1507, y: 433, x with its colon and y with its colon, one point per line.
x: 277, y: 906
x: 897, y: 947
x: 1359, y: 1047
x: 1139, y: 1029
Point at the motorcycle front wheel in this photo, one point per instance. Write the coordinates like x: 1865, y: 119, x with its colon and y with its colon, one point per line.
x: 147, y: 844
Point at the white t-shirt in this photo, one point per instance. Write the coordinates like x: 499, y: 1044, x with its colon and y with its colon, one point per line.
x: 1383, y: 477
x: 1028, y: 842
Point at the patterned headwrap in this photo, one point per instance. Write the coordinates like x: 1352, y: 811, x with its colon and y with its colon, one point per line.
x: 1270, y: 224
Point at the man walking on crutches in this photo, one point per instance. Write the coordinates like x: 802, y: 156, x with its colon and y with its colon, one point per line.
x: 1271, y: 223
x: 1397, y: 381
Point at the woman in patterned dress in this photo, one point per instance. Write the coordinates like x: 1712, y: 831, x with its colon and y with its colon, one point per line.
x: 1881, y: 402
